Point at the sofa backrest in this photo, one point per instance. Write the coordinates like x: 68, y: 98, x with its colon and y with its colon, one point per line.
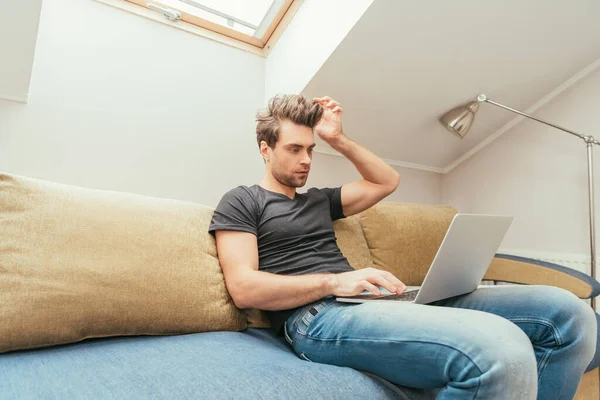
x: 78, y: 263
x: 403, y: 238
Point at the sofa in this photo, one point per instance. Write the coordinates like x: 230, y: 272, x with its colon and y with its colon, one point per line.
x: 113, y: 295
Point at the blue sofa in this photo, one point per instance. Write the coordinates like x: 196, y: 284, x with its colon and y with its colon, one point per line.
x: 253, y: 364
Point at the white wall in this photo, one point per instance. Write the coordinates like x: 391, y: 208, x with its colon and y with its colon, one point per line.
x: 120, y: 102
x: 18, y: 31
x: 313, y: 34
x: 416, y: 186
x: 538, y: 174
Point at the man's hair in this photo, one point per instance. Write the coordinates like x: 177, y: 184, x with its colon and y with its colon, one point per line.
x: 293, y: 107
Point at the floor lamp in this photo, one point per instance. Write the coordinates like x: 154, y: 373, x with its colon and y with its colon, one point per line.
x: 460, y: 119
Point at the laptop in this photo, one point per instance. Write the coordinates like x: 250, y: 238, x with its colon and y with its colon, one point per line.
x: 461, y: 261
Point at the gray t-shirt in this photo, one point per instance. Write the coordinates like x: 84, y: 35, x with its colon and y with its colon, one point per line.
x: 295, y: 236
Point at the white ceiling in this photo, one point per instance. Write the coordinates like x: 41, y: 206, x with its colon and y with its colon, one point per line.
x: 18, y: 34
x: 406, y: 63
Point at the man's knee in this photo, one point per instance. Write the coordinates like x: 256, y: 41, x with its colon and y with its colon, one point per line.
x: 573, y: 321
x: 581, y: 326
x: 506, y: 357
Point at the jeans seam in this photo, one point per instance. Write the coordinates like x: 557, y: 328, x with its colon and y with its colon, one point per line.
x: 556, y: 334
x: 542, y: 321
x: 543, y: 362
x: 405, y: 341
x: 285, y: 334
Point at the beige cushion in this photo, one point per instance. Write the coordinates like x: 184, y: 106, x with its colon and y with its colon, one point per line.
x: 78, y: 263
x: 352, y: 242
x: 404, y: 238
x: 256, y: 318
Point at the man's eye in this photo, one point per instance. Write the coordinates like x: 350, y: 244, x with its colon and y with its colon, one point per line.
x: 294, y: 150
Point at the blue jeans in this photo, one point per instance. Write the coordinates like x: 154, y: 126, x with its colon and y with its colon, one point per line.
x: 498, y: 342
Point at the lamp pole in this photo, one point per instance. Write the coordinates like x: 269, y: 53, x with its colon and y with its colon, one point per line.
x: 590, y: 159
x: 590, y: 141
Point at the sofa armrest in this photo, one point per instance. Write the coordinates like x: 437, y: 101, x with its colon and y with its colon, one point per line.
x: 514, y: 269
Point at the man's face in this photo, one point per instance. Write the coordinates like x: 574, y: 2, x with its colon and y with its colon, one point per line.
x: 291, y: 158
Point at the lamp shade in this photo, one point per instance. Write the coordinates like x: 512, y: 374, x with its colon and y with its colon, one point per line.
x: 460, y: 119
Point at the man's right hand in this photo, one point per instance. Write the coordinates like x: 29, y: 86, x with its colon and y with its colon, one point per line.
x: 355, y: 282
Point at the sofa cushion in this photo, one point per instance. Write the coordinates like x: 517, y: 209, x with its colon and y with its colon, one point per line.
x: 253, y: 364
x: 77, y: 263
x: 352, y: 243
x: 403, y: 238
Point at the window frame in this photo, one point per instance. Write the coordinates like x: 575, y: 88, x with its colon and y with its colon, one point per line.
x: 214, y: 31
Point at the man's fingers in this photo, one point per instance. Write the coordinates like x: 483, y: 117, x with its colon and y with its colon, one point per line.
x: 370, y: 287
x: 381, y: 281
x: 325, y: 101
x: 328, y: 102
x: 395, y: 281
x: 390, y: 277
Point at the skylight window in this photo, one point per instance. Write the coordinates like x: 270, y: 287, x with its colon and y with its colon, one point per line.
x: 250, y: 21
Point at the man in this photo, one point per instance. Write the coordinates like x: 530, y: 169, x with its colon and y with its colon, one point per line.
x: 278, y: 253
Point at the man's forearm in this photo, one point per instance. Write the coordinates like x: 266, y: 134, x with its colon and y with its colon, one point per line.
x: 371, y: 167
x: 268, y: 291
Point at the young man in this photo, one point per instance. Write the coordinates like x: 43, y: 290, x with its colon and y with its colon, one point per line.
x: 278, y: 253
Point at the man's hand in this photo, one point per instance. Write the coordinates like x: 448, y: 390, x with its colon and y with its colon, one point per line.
x: 329, y: 127
x: 355, y: 282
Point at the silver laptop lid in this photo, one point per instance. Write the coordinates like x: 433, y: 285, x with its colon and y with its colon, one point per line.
x: 464, y: 256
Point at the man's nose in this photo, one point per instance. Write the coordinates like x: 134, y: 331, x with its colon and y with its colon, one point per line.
x: 306, y: 159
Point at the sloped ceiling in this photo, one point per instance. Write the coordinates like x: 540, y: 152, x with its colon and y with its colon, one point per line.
x: 19, y: 22
x: 406, y: 63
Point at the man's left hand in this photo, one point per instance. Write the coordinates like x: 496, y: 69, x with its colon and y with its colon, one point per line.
x: 329, y: 127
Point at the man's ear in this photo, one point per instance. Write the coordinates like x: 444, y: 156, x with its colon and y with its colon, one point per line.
x: 265, y: 150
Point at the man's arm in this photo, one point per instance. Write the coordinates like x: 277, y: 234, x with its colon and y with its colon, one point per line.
x: 379, y: 179
x: 251, y: 288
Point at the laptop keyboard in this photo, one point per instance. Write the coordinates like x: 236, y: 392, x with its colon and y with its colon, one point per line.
x: 409, y: 295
